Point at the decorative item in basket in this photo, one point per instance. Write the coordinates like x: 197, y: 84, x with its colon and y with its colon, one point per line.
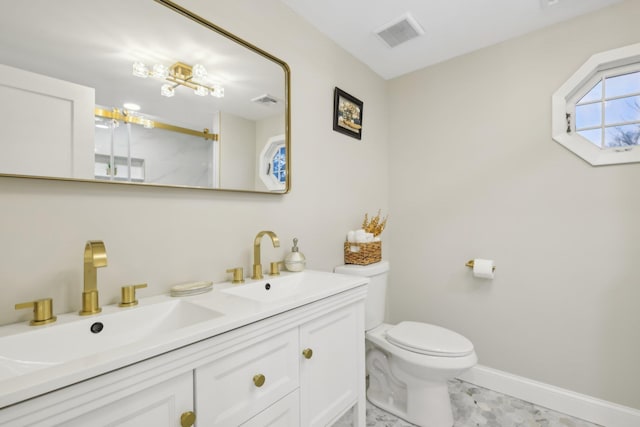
x: 363, y: 246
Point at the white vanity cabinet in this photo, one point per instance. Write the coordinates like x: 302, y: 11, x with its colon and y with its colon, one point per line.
x: 299, y: 367
x: 323, y: 357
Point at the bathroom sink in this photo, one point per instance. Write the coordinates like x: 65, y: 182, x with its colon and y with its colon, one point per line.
x: 274, y: 289
x: 294, y: 286
x: 74, y: 337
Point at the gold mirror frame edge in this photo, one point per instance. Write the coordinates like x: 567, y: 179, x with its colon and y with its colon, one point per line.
x: 287, y: 75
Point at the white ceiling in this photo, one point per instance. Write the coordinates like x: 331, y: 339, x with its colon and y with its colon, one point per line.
x: 94, y: 43
x: 452, y: 27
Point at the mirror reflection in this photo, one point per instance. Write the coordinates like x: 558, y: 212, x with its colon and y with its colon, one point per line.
x: 139, y: 92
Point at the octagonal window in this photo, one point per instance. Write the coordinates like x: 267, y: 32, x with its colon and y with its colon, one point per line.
x: 596, y: 113
x: 273, y: 164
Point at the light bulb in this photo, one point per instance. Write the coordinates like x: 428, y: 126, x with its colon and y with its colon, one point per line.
x: 140, y: 70
x: 131, y: 106
x: 218, y: 91
x: 199, y: 72
x: 201, y: 91
x: 160, y: 71
x: 167, y: 90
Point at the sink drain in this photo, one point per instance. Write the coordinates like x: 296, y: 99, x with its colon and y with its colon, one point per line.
x: 97, y: 327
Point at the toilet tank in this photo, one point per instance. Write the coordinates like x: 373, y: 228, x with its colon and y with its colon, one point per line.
x: 376, y: 294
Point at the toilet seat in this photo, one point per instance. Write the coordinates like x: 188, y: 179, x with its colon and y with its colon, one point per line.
x: 428, y: 339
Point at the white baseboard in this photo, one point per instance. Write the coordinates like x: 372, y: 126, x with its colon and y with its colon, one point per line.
x: 568, y: 402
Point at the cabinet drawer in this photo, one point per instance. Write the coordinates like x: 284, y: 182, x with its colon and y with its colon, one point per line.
x: 230, y: 389
x: 284, y: 413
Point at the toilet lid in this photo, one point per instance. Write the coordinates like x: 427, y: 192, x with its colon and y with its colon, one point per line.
x: 428, y: 339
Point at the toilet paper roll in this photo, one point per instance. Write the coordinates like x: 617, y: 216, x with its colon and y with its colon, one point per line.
x: 483, y: 268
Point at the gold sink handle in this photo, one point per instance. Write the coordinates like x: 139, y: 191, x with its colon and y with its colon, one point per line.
x: 129, y: 295
x: 238, y: 274
x: 275, y: 268
x: 42, y: 311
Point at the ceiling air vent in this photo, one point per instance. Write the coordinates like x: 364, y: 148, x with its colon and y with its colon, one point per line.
x: 400, y: 30
x: 265, y: 99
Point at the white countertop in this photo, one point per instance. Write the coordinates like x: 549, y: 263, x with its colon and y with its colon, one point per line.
x: 233, y: 312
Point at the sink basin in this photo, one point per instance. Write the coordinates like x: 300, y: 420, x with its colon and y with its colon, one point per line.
x: 74, y: 337
x: 297, y: 285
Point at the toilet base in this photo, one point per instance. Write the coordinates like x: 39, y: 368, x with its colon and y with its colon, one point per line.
x: 412, y: 386
x: 426, y: 406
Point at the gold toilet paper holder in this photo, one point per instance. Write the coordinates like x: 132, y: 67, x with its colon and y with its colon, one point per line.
x: 470, y: 265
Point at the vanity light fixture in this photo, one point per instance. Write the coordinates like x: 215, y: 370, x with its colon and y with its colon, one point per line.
x: 179, y: 74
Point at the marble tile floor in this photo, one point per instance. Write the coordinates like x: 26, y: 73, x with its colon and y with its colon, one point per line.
x: 475, y: 406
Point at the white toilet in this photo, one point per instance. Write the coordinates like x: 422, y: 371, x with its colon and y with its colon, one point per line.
x: 409, y: 363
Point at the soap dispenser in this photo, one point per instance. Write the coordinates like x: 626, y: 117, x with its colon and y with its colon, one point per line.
x: 295, y: 260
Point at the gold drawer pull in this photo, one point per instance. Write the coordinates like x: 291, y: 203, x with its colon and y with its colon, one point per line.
x: 259, y: 380
x: 307, y: 353
x: 187, y: 419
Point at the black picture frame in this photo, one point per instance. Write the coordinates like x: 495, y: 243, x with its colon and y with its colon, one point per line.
x: 347, y: 114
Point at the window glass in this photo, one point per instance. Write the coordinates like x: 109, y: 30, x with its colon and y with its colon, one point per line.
x: 279, y: 164
x: 621, y: 136
x: 588, y: 115
x: 622, y: 110
x: 594, y: 94
x: 592, y: 135
x: 622, y: 85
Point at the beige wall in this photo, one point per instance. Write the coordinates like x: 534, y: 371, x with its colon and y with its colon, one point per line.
x: 168, y: 236
x: 237, y: 152
x: 474, y: 173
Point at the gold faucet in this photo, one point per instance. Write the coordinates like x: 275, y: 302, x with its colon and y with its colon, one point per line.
x: 257, y: 266
x: 95, y: 256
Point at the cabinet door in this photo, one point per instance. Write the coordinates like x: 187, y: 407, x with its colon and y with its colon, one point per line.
x: 157, y: 406
x: 283, y: 413
x: 333, y: 374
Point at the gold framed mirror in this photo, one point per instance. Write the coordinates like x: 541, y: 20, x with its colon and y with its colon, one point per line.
x: 141, y: 93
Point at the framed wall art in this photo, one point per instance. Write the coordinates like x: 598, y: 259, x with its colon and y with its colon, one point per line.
x: 347, y: 114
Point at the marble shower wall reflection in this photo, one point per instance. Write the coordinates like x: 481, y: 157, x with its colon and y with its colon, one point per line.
x: 126, y: 152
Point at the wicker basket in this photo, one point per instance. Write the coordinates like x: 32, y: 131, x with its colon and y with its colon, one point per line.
x: 367, y: 253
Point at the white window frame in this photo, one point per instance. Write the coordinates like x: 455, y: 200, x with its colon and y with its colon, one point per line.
x: 564, y: 99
